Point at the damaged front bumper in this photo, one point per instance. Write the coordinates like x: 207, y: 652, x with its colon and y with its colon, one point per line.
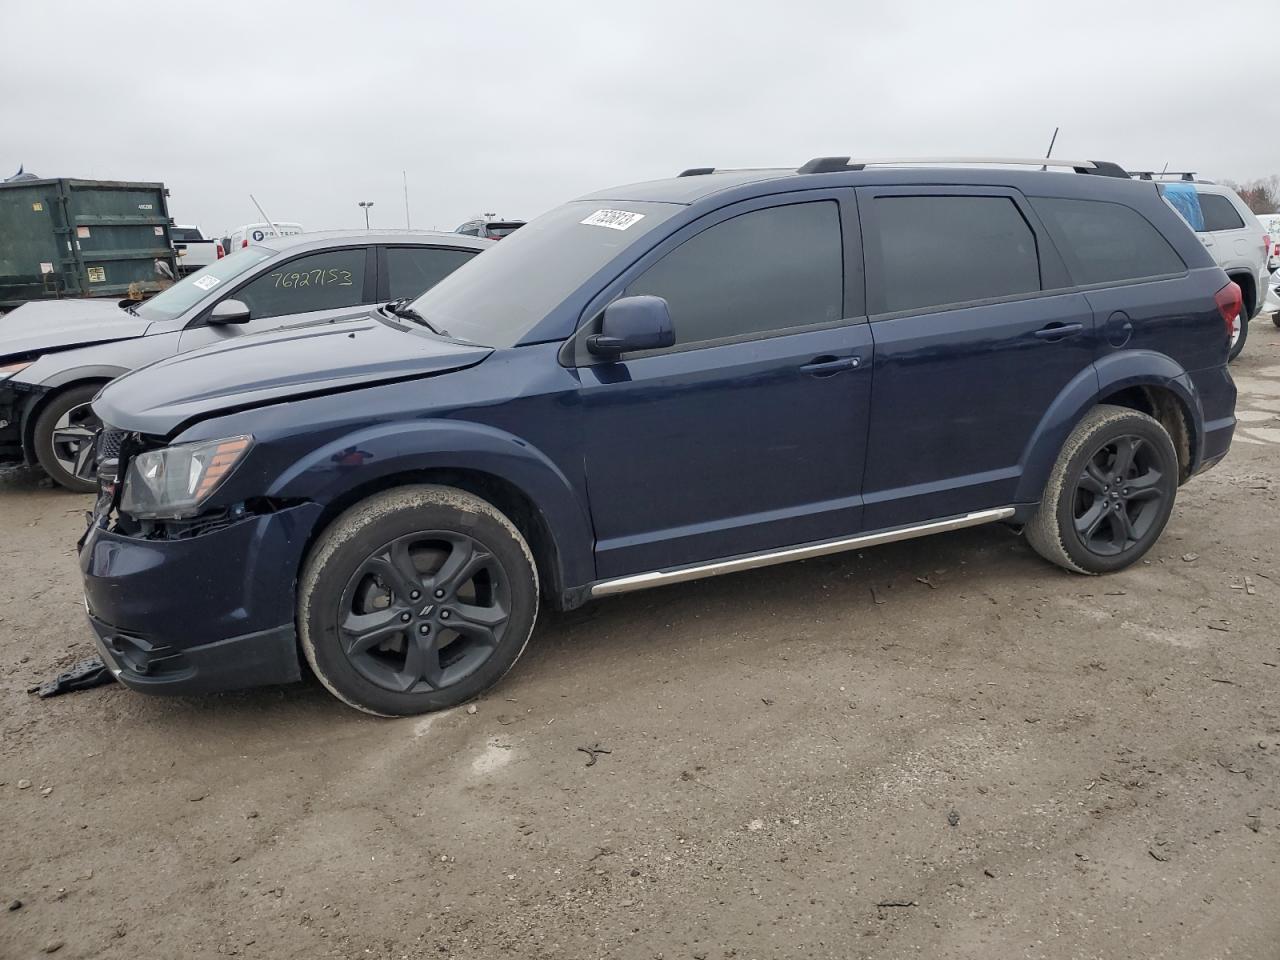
x: 201, y: 613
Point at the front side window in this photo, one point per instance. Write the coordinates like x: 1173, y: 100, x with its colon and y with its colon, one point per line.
x: 757, y: 273
x: 321, y: 281
x: 412, y: 271
x: 1219, y: 213
x: 939, y: 250
x: 1106, y: 242
x: 204, y: 284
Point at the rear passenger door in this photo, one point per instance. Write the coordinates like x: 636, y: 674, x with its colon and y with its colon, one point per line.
x: 411, y: 271
x: 1224, y: 230
x: 976, y: 334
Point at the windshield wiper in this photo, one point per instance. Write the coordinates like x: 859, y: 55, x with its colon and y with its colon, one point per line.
x: 130, y: 310
x: 401, y: 308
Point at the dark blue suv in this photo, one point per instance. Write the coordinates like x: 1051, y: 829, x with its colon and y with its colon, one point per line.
x: 660, y: 382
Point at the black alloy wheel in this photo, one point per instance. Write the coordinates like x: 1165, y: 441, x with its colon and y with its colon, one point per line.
x: 1119, y: 495
x: 424, y: 611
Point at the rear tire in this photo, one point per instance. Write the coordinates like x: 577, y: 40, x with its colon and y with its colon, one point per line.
x: 63, y: 438
x: 1238, y: 339
x: 416, y: 599
x: 1109, y: 495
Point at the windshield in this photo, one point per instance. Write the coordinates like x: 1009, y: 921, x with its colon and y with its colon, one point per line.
x: 500, y: 295
x: 186, y: 293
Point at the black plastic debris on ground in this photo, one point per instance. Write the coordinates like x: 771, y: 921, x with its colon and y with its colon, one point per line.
x: 83, y: 675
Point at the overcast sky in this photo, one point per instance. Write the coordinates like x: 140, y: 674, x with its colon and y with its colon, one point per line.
x: 514, y: 107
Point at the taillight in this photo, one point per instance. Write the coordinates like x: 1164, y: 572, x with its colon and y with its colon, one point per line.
x: 1230, y: 303
x: 220, y: 252
x: 244, y: 243
x: 1266, y: 245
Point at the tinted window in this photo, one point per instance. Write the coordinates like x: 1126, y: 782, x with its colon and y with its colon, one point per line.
x: 1105, y: 242
x: 413, y: 271
x: 762, y: 271
x: 1219, y: 213
x: 942, y: 250
x: 502, y: 295
x: 184, y: 234
x: 496, y: 231
x: 321, y: 281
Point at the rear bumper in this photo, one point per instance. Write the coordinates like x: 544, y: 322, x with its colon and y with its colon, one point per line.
x: 1216, y: 392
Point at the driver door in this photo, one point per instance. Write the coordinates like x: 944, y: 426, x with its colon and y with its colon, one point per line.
x: 328, y: 285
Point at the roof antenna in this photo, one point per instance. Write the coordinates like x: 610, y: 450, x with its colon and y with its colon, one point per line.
x: 274, y: 228
x: 1048, y: 153
x: 405, y: 175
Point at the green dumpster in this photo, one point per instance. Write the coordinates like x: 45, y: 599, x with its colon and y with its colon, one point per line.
x: 82, y: 238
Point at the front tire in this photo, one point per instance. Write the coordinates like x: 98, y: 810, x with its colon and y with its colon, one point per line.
x: 1109, y: 495
x: 63, y: 438
x: 416, y: 599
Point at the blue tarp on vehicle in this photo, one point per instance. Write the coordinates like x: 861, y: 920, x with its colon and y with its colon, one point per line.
x: 1184, y: 199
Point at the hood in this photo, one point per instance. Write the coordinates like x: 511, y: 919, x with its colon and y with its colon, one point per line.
x: 63, y: 324
x: 289, y: 364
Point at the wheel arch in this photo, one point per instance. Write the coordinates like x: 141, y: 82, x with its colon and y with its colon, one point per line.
x: 512, y: 475
x: 39, y: 401
x: 1147, y: 381
x: 1248, y: 284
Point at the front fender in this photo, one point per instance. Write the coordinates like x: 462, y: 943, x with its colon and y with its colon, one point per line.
x: 1108, y: 375
x: 388, y: 449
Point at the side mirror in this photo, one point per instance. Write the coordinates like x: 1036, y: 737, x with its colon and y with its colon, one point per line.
x: 230, y: 311
x: 633, y: 323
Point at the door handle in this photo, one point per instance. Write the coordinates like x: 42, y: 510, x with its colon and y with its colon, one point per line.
x: 826, y: 366
x: 1059, y: 331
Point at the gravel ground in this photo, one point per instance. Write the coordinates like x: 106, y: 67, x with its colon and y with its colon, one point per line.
x: 944, y: 748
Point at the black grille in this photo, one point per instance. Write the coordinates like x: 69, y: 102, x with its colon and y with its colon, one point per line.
x: 109, y: 442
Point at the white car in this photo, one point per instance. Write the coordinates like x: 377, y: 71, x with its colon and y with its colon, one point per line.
x: 1231, y: 233
x: 252, y: 233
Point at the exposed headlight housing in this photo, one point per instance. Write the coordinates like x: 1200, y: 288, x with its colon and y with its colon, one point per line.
x: 172, y: 483
x: 9, y: 369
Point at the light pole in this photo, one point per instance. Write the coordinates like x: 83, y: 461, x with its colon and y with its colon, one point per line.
x: 366, y: 204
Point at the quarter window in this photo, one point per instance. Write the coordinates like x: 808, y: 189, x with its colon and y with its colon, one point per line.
x: 1219, y: 213
x: 322, y: 281
x: 412, y: 271
x: 757, y: 273
x: 1106, y: 242
x: 938, y: 250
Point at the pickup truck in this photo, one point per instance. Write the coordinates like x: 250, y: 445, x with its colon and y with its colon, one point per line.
x: 193, y: 250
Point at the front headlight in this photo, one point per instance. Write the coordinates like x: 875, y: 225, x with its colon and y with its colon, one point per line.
x: 171, y: 483
x: 9, y: 369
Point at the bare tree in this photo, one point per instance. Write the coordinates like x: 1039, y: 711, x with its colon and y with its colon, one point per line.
x: 1261, y: 195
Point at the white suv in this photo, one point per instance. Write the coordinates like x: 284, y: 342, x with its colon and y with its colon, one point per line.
x: 1231, y: 233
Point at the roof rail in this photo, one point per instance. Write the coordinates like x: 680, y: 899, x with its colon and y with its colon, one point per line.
x: 1187, y: 175
x: 1103, y: 168
x: 696, y: 172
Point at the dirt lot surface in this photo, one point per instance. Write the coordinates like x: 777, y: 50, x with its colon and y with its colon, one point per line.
x: 944, y: 748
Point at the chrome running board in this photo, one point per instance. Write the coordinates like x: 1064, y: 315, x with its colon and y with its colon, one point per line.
x: 659, y: 578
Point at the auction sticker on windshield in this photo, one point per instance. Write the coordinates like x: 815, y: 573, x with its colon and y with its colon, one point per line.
x: 207, y: 283
x: 613, y: 219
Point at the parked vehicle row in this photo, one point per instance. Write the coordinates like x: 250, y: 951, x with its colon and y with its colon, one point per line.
x: 652, y: 384
x: 55, y: 356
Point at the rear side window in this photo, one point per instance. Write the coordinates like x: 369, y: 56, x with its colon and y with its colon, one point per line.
x: 756, y: 273
x: 1219, y: 213
x: 1106, y: 242
x: 184, y: 234
x: 412, y: 271
x: 939, y: 250
x: 321, y: 281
